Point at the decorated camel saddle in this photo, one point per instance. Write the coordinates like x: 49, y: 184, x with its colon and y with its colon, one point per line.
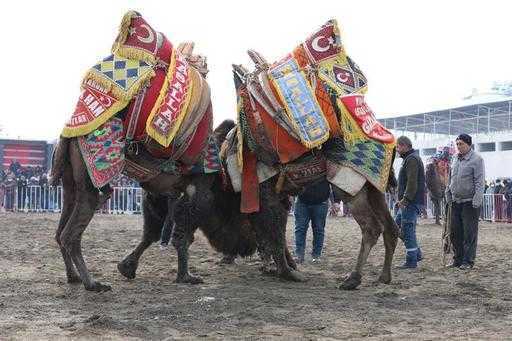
x: 305, y: 117
x: 147, y: 98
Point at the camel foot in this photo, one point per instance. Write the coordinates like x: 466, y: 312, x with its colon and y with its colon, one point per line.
x: 188, y: 278
x: 385, y: 278
x: 268, y: 270
x: 227, y: 260
x: 98, y: 287
x: 127, y: 268
x: 292, y: 263
x: 293, y: 276
x: 352, y: 281
x: 74, y: 279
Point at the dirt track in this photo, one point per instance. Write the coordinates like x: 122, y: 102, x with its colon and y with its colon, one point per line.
x: 237, y: 301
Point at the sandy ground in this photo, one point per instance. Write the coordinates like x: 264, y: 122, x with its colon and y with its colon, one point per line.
x: 237, y: 302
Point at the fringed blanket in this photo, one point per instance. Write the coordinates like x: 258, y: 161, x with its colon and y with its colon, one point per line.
x: 102, y: 151
x: 145, y: 71
x: 167, y: 103
x: 314, y: 94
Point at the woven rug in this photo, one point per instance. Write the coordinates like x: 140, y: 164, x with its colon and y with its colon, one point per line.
x: 143, y: 72
x: 300, y: 102
x: 102, y: 151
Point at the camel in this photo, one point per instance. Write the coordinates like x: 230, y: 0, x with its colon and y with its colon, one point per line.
x: 81, y: 198
x: 368, y: 207
x: 304, y: 118
x: 435, y: 187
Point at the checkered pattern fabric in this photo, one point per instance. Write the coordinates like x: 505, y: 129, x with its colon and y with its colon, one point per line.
x: 370, y: 158
x: 121, y: 71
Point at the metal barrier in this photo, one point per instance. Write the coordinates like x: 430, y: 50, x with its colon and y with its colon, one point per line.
x: 494, y: 208
x: 124, y: 200
x: 128, y: 200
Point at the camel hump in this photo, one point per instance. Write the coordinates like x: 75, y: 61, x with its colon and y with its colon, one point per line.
x: 59, y: 156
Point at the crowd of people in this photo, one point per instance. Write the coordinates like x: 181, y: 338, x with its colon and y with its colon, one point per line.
x: 27, y: 188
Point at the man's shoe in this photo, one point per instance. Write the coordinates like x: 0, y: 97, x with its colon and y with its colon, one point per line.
x: 316, y: 260
x: 163, y: 247
x: 466, y: 267
x: 419, y: 256
x: 453, y: 265
x: 407, y: 266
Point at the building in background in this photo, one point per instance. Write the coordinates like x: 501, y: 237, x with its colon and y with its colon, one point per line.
x: 486, y: 116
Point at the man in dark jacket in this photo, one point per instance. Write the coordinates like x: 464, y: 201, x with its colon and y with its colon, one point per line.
x: 311, y: 205
x: 411, y: 196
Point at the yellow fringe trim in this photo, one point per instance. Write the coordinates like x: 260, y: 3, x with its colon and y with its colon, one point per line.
x: 308, y: 144
x: 166, y: 140
x: 351, y: 131
x: 135, y: 53
x: 130, y: 52
x: 111, y: 87
x: 239, y: 135
x: 89, y: 127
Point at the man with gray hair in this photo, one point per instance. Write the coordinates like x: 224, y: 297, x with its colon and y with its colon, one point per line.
x: 465, y: 193
x: 411, y: 196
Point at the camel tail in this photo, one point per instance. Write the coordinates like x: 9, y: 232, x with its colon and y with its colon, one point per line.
x: 59, y: 159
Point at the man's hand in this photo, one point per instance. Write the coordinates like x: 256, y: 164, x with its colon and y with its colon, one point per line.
x: 402, y: 203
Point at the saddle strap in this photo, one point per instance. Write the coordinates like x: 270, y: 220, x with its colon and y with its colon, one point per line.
x: 255, y: 91
x: 134, y: 117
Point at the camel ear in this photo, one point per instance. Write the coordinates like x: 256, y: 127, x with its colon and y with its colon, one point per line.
x: 258, y: 59
x: 186, y: 48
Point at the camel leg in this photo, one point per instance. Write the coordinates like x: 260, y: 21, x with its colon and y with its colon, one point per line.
x: 155, y: 211
x: 390, y: 231
x: 68, y: 202
x: 270, y: 223
x: 86, y: 201
x: 71, y: 236
x: 191, y: 210
x: 371, y: 230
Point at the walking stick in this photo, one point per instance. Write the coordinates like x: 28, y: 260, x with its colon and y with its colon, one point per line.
x: 446, y: 240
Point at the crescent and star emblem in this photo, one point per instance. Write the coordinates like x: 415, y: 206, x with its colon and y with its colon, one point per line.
x: 147, y: 39
x: 342, y: 77
x: 315, y: 44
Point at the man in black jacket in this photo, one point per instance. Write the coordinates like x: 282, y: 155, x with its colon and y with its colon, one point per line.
x: 311, y: 205
x: 411, y: 196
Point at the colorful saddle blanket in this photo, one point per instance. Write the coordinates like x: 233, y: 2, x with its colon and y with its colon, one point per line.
x: 103, y: 152
x: 143, y: 67
x: 314, y: 94
x: 166, y: 101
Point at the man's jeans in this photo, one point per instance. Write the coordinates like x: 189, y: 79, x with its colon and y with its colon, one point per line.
x: 303, y: 215
x: 406, y: 219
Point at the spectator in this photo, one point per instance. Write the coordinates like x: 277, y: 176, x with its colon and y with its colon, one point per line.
x: 507, y: 193
x: 311, y: 205
x: 465, y: 193
x: 411, y: 197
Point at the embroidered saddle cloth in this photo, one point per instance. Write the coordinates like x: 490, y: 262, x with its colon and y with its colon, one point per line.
x: 164, y: 100
x: 312, y: 95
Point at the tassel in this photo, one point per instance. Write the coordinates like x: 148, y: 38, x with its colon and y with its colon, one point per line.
x: 280, y: 181
x: 123, y: 30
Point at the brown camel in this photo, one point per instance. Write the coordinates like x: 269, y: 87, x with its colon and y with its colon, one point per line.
x: 367, y: 203
x: 435, y: 188
x: 202, y: 198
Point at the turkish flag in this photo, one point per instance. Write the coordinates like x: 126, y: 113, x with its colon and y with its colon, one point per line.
x: 322, y: 44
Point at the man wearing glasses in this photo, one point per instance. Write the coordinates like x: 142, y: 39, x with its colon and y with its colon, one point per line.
x: 465, y: 194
